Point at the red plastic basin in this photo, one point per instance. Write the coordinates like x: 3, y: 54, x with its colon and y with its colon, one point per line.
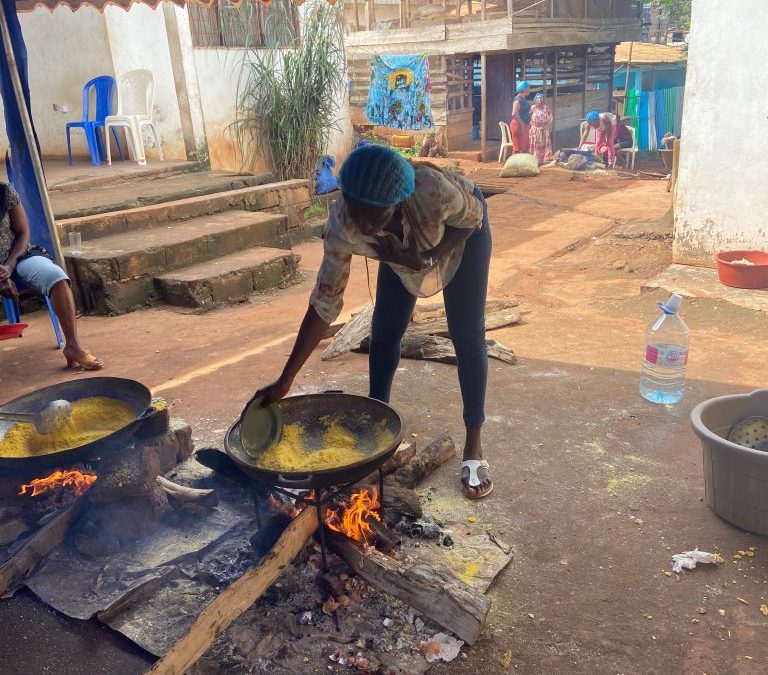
x: 12, y: 330
x: 740, y: 275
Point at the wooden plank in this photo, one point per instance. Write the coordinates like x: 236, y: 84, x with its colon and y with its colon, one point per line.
x: 39, y: 545
x: 238, y: 597
x: 435, y: 593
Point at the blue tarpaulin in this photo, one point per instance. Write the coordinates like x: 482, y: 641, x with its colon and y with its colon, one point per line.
x: 21, y: 172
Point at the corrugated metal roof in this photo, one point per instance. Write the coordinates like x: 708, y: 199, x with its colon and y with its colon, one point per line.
x: 650, y: 53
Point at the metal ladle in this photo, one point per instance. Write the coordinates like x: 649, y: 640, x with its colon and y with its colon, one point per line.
x: 49, y: 420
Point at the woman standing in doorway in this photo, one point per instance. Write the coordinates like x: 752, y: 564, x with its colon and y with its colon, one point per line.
x: 521, y: 118
x: 540, y: 134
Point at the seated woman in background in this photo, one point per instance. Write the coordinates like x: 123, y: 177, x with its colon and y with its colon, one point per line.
x: 31, y: 265
x: 623, y: 135
x: 605, y: 135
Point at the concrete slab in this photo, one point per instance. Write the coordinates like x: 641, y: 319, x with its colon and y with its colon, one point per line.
x: 125, y: 256
x: 145, y: 190
x: 702, y: 282
x: 290, y: 197
x: 229, y: 278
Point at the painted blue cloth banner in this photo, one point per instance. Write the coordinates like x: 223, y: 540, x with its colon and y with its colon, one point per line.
x: 20, y: 170
x: 399, y: 93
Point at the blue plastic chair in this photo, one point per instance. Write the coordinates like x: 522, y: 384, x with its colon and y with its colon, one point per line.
x: 13, y: 314
x: 104, y: 87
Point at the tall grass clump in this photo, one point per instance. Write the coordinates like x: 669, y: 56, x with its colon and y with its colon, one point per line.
x: 288, y: 93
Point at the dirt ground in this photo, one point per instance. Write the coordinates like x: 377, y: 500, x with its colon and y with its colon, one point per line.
x: 595, y: 488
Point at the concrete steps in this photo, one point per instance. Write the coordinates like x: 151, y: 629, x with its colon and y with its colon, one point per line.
x: 229, y: 278
x: 198, y: 251
x: 287, y: 197
x: 116, y: 273
x: 141, y: 190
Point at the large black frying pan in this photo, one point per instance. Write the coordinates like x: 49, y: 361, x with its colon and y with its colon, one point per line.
x: 357, y: 413
x: 135, y: 394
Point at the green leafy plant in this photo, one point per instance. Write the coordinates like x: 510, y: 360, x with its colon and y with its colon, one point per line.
x: 288, y: 97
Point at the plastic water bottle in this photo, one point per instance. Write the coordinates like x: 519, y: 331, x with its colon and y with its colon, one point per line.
x: 666, y: 355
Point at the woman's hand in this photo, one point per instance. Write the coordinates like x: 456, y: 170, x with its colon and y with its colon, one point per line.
x: 272, y: 393
x: 8, y: 289
x: 390, y: 250
x: 5, y: 271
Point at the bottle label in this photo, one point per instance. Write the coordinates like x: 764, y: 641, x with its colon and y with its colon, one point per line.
x: 666, y: 356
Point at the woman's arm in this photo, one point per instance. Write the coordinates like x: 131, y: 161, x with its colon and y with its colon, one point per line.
x: 311, y: 332
x: 453, y: 237
x: 516, y: 112
x: 20, y: 227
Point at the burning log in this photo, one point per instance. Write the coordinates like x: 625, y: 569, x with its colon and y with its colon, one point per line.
x: 386, y: 540
x: 187, y: 495
x: 401, y: 456
x: 238, y: 597
x: 424, y: 462
x: 435, y: 593
x: 38, y: 546
x: 400, y: 502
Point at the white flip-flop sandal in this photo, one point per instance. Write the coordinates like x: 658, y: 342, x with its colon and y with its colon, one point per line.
x: 474, y: 481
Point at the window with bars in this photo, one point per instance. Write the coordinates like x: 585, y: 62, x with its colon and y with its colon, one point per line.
x: 250, y: 25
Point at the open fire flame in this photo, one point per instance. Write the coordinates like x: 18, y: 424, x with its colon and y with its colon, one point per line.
x: 353, y: 520
x: 79, y: 482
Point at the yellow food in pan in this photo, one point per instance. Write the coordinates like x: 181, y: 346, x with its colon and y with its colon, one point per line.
x: 91, y: 420
x: 340, y: 447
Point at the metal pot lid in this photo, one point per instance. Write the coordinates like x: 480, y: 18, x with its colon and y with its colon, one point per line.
x: 260, y: 427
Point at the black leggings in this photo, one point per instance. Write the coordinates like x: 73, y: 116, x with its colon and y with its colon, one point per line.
x: 464, y: 298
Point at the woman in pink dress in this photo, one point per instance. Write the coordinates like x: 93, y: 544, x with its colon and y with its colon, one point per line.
x: 540, y: 137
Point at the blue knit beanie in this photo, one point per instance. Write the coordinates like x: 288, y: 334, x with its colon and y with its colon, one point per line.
x: 592, y: 116
x: 376, y: 175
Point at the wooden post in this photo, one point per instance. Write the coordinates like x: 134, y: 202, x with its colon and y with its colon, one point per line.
x: 402, y: 14
x: 551, y: 9
x: 483, y: 9
x: 554, y: 99
x: 371, y: 12
x: 357, y: 16
x: 29, y: 137
x: 584, y: 90
x: 586, y: 9
x: 610, y: 79
x: 483, y: 103
x: 629, y: 65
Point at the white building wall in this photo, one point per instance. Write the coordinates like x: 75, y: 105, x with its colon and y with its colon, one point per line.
x: 65, y: 50
x: 138, y: 39
x: 721, y: 199
x: 218, y: 72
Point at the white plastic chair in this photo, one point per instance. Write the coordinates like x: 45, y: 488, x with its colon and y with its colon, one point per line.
x: 506, y: 141
x: 631, y: 151
x: 135, y: 102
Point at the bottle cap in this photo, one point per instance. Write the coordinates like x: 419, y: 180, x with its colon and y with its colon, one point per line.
x: 671, y: 306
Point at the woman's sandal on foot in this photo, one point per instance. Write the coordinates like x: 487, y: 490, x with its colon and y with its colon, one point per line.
x: 84, y: 359
x: 471, y: 482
